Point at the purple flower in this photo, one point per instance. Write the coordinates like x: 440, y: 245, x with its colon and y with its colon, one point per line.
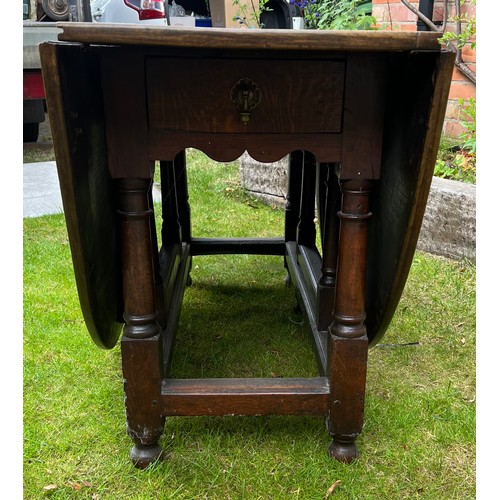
x: 302, y: 4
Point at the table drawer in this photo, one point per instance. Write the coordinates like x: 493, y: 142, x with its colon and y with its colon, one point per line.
x: 281, y: 96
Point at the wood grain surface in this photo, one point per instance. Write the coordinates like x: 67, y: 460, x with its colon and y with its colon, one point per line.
x: 235, y: 38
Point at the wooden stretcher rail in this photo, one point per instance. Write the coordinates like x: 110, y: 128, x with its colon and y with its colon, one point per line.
x: 307, y: 302
x: 309, y: 260
x: 178, y: 275
x: 255, y: 246
x: 245, y: 396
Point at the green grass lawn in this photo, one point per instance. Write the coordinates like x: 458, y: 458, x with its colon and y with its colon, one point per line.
x: 419, y: 435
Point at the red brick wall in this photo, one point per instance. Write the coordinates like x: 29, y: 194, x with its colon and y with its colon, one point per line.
x: 394, y: 15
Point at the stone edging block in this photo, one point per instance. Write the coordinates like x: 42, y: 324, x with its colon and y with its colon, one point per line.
x: 448, y: 228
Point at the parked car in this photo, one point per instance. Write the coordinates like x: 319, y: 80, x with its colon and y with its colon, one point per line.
x: 114, y: 11
x: 128, y: 11
x: 45, y: 29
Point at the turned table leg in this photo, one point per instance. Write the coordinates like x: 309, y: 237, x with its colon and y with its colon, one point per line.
x: 306, y: 229
x: 140, y: 345
x: 329, y: 206
x: 348, y: 342
x: 293, y: 194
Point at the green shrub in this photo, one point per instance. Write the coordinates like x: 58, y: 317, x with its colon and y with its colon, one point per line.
x: 336, y: 14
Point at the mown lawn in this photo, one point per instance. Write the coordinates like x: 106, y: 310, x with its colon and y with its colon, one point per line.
x: 238, y: 320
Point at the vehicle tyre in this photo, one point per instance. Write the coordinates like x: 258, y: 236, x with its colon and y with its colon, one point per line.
x: 277, y: 14
x: 58, y: 10
x: 30, y: 132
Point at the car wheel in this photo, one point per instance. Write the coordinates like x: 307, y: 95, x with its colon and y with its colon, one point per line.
x: 30, y: 132
x: 57, y: 10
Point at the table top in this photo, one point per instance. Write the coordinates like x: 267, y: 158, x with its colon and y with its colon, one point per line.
x: 412, y: 67
x: 247, y: 39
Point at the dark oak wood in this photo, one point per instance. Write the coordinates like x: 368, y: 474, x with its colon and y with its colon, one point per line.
x: 254, y: 40
x: 139, y: 306
x: 308, y: 304
x: 122, y: 82
x: 158, y: 278
x: 183, y: 207
x: 348, y: 341
x: 306, y: 228
x: 171, y: 231
x: 277, y: 112
x: 360, y: 113
x: 292, y: 208
x: 141, y: 366
x: 412, y: 129
x: 248, y: 396
x: 141, y: 335
x: 222, y: 246
x: 178, y: 280
x: 310, y: 261
x: 329, y: 200
x: 87, y: 191
x: 225, y: 147
x: 363, y: 116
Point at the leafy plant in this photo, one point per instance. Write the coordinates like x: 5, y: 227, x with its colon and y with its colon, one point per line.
x: 467, y: 33
x: 250, y: 16
x: 467, y: 115
x: 335, y: 14
x: 461, y: 163
x: 318, y: 14
x: 457, y: 159
x: 455, y: 162
x: 461, y: 167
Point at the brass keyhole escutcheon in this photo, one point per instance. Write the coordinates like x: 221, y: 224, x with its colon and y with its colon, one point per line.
x: 246, y: 95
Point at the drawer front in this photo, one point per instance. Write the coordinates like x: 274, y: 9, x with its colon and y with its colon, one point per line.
x: 236, y: 96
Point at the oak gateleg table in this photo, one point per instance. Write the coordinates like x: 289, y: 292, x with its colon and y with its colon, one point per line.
x: 360, y: 115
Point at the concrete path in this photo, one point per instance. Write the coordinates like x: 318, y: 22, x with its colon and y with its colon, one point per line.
x: 41, y: 194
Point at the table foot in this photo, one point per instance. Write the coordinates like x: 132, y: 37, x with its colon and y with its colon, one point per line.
x: 343, y: 449
x: 144, y: 455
